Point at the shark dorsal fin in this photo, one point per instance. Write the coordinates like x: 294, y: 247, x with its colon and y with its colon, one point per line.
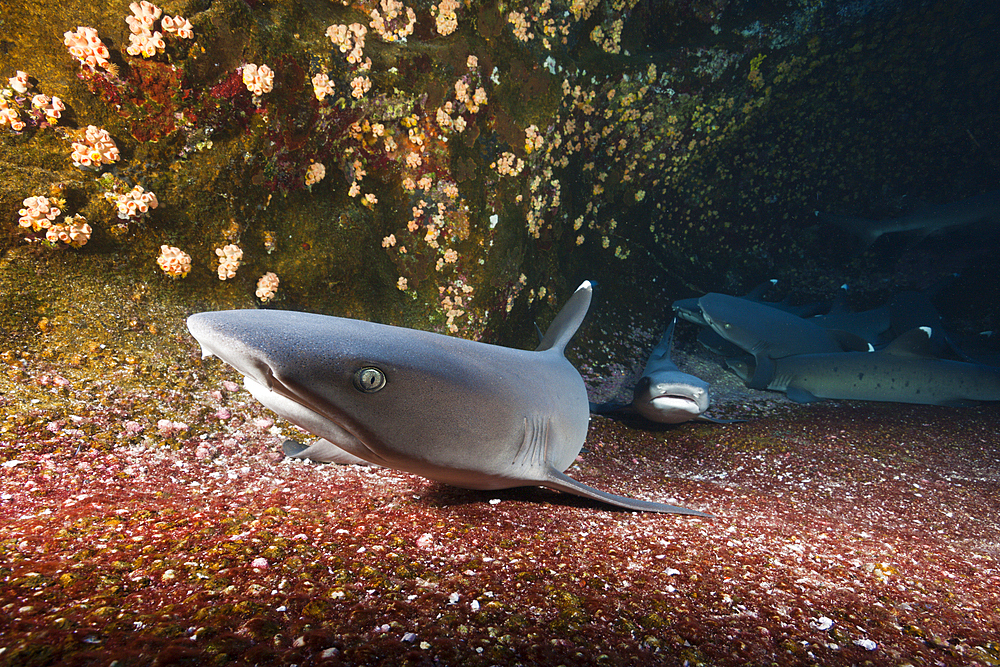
x: 568, y: 320
x: 848, y: 341
x: 913, y: 343
x: 664, y: 347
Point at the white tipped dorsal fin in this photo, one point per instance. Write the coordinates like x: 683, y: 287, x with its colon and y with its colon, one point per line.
x: 913, y: 343
x: 568, y: 320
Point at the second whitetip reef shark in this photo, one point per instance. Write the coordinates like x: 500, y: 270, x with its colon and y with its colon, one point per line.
x: 906, y: 371
x: 465, y: 413
x: 664, y: 393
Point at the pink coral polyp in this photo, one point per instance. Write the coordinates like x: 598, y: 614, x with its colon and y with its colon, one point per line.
x: 87, y: 47
x: 96, y: 149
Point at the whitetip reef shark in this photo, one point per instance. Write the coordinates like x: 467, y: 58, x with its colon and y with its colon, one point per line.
x: 905, y: 371
x: 664, y: 393
x: 770, y: 334
x: 465, y: 413
x: 689, y: 309
x: 928, y: 220
x: 871, y: 325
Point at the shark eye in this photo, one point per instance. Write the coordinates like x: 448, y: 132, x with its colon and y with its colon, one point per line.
x: 369, y: 379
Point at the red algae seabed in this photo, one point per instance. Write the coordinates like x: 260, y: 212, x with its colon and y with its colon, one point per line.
x: 163, y: 527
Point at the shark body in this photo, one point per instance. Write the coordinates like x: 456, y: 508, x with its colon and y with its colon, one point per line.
x: 769, y: 334
x: 690, y: 309
x: 904, y: 372
x: 924, y: 222
x: 464, y: 413
x: 664, y: 393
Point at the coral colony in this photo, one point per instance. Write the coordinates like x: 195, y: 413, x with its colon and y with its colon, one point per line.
x: 39, y: 215
x: 174, y: 262
x: 229, y: 260
x: 267, y: 287
x: 258, y: 80
x: 144, y: 39
x: 407, y: 143
x: 617, y: 137
x: 95, y: 149
x: 315, y: 173
x: 87, y: 47
x: 15, y: 111
x: 135, y: 203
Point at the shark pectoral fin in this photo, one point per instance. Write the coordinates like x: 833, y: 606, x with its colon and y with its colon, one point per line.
x: 322, y: 451
x: 716, y: 420
x: 801, y: 395
x: 561, y: 482
x: 763, y: 373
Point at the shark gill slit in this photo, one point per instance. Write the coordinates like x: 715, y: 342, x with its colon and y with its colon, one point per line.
x: 534, y: 443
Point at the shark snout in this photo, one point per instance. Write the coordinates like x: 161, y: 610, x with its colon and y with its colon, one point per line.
x: 217, y: 340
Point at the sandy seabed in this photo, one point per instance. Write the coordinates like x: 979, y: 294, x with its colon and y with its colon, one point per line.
x: 844, y: 534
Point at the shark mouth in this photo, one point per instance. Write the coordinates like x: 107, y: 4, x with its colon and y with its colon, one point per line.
x: 294, y: 403
x: 676, y: 401
x: 305, y: 410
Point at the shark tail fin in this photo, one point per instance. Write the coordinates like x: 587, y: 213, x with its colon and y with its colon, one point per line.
x: 560, y: 482
x: 568, y: 320
x: 862, y: 228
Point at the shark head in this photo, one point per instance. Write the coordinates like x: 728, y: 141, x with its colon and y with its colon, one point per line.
x: 734, y: 319
x: 671, y: 397
x: 371, y: 389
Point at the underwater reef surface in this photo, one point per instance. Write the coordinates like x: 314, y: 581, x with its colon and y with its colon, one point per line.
x: 461, y: 167
x: 465, y: 180
x: 157, y: 522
